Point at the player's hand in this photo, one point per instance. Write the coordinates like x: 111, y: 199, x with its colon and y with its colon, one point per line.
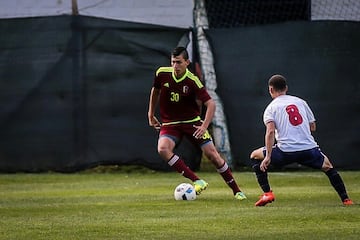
x: 265, y: 164
x: 154, y: 122
x: 199, y: 132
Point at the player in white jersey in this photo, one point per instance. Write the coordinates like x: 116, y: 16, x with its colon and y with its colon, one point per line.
x: 289, y: 113
x: 289, y: 121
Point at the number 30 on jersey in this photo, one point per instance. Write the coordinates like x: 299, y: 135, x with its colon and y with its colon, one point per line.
x: 175, y: 97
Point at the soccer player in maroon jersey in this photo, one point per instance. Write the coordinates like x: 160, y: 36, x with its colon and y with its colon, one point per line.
x: 177, y: 91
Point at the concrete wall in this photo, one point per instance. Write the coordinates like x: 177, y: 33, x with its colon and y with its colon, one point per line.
x: 335, y: 10
x: 162, y: 12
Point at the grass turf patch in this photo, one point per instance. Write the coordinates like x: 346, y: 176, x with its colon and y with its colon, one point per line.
x: 140, y: 205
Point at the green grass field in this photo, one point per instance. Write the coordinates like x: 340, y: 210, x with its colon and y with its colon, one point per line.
x: 140, y: 205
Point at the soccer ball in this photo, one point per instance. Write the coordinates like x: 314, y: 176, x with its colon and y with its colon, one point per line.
x: 185, y: 191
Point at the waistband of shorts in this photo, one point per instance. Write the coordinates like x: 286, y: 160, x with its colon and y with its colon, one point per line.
x: 183, y: 121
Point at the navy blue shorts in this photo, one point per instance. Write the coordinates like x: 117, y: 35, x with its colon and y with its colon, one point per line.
x: 311, y: 158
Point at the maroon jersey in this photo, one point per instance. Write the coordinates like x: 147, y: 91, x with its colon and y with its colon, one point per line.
x: 178, y: 96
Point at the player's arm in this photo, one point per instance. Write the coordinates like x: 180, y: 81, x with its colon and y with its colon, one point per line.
x: 312, y: 126
x: 209, y: 114
x: 153, y: 101
x: 269, y: 143
x: 310, y: 117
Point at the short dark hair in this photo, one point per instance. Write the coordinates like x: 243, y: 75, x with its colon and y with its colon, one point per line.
x: 278, y: 82
x: 180, y: 51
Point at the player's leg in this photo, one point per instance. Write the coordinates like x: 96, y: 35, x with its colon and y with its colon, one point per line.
x: 336, y: 180
x: 314, y: 158
x: 166, y: 145
x: 222, y: 168
x: 169, y: 138
x: 262, y: 177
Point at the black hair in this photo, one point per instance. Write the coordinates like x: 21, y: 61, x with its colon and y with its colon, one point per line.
x: 278, y: 82
x: 180, y: 51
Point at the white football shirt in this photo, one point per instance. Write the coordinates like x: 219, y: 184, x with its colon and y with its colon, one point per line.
x: 292, y: 117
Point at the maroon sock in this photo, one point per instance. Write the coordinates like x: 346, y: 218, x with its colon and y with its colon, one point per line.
x: 226, y: 174
x: 179, y: 165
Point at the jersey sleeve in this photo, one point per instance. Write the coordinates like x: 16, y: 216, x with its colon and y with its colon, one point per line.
x: 156, y: 81
x: 309, y: 113
x: 201, y: 92
x: 268, y: 114
x: 203, y: 95
x: 157, y: 78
